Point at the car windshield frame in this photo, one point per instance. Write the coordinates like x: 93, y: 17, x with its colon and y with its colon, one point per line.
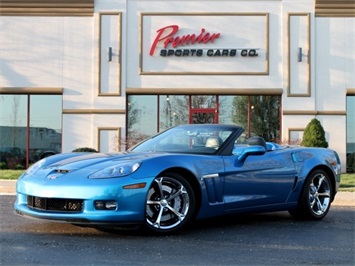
x: 190, y: 139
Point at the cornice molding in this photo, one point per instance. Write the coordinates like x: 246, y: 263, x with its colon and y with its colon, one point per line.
x: 31, y: 90
x: 63, y: 8
x: 204, y: 91
x: 313, y: 112
x: 335, y: 8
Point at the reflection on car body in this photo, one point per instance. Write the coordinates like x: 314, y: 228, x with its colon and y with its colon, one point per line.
x: 184, y: 173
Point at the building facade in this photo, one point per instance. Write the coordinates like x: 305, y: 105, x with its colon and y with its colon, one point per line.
x: 105, y: 74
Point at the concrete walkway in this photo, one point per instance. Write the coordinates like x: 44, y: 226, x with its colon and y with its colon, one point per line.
x: 8, y: 187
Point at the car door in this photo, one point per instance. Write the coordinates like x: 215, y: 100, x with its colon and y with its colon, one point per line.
x: 259, y: 180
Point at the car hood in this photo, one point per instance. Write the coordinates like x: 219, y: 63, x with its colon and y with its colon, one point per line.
x: 93, y: 160
x: 72, y: 170
x: 82, y: 164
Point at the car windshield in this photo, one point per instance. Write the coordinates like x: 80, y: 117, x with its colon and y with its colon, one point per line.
x: 187, y: 139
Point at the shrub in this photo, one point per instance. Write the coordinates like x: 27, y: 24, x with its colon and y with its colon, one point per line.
x: 314, y: 135
x: 3, y: 165
x: 84, y: 149
x: 19, y: 167
x: 350, y: 162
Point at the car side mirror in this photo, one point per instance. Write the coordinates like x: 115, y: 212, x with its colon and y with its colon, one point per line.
x: 252, y: 150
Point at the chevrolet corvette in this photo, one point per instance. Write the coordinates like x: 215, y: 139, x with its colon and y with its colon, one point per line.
x: 184, y: 173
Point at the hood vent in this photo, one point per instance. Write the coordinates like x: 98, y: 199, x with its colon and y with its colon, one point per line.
x: 62, y: 171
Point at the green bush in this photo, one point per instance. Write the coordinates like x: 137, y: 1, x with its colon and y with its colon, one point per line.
x: 3, y: 165
x: 350, y: 162
x: 314, y: 135
x: 84, y: 149
x: 19, y: 167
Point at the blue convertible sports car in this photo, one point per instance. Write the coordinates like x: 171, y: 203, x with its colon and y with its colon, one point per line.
x: 184, y: 173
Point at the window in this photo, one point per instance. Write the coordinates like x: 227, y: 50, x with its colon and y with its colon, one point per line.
x: 150, y: 114
x: 142, y: 118
x: 174, y: 110
x: 258, y: 115
x: 350, y: 133
x: 30, y: 128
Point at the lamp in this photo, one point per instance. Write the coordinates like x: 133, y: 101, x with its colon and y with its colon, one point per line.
x: 299, y: 56
x: 109, y: 54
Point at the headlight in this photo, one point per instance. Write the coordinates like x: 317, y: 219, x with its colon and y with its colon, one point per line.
x: 117, y: 170
x: 34, y: 168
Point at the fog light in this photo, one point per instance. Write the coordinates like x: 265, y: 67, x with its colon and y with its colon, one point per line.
x: 105, y: 205
x: 111, y: 205
x: 99, y: 205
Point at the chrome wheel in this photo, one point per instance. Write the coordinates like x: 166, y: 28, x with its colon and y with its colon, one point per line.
x: 316, y: 197
x: 319, y: 194
x: 170, y: 203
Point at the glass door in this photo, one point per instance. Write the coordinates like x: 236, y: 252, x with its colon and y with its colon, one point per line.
x: 203, y: 109
x: 203, y: 117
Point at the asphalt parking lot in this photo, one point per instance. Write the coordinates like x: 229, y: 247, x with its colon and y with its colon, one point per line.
x: 260, y: 239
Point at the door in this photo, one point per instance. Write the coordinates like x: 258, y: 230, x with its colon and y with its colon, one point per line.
x: 203, y: 109
x: 203, y: 116
x: 260, y: 180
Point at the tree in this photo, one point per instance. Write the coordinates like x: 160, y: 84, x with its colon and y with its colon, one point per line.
x: 314, y: 135
x: 134, y: 114
x: 174, y: 111
x: 264, y: 115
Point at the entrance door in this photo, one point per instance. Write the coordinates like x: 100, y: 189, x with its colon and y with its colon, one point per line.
x: 203, y: 117
x: 203, y: 109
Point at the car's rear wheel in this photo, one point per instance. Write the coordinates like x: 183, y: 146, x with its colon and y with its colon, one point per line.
x: 316, y: 197
x: 170, y: 203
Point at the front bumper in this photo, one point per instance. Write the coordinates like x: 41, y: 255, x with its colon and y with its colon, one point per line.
x: 130, y: 202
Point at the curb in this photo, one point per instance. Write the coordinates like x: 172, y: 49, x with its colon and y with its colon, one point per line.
x: 347, y: 199
x: 7, y: 187
x: 344, y: 198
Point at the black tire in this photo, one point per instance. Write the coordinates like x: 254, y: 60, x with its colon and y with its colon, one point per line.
x: 316, y: 197
x: 170, y: 204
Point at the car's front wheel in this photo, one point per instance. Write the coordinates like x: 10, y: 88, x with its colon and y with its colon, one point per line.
x: 316, y: 197
x: 170, y: 203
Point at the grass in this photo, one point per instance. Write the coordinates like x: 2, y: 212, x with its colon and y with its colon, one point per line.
x: 347, y: 180
x: 10, y: 174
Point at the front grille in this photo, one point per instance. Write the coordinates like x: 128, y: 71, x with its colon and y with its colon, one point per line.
x: 53, y: 204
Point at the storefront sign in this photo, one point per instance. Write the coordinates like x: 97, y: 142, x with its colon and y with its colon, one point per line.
x: 204, y: 44
x: 171, y: 39
x: 208, y: 52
